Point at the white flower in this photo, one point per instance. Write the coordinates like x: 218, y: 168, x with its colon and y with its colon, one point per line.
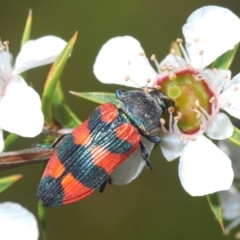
x: 20, y: 105
x: 16, y: 222
x: 199, y: 94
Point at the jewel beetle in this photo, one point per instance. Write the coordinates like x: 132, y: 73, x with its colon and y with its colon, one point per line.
x: 84, y: 159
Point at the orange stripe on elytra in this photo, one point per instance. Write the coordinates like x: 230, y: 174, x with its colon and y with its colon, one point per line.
x: 107, y: 160
x: 128, y: 133
x: 54, y: 167
x: 82, y: 135
x: 108, y: 112
x: 73, y: 189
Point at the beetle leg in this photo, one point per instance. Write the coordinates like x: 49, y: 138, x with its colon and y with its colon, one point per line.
x: 103, y: 185
x: 145, y: 156
x: 58, y: 140
x: 153, y: 139
x: 53, y: 145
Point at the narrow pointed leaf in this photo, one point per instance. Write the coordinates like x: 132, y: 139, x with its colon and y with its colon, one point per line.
x: 97, y: 97
x: 214, y: 203
x: 42, y: 219
x: 10, y: 140
x: 225, y: 60
x: 6, y: 182
x: 27, y: 29
x: 63, y: 112
x: 26, y: 35
x: 235, y: 138
x: 52, y: 79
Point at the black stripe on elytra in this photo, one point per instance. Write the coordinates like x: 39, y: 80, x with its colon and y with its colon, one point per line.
x: 103, y: 134
x: 78, y: 160
x: 50, y: 191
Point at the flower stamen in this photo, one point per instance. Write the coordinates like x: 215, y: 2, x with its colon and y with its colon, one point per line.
x: 172, y: 76
x: 162, y: 122
x: 154, y: 59
x: 182, y: 138
x: 193, y: 138
x: 127, y: 78
x: 146, y: 88
x: 163, y: 68
x: 189, y: 66
x: 212, y: 100
x: 172, y: 51
x: 225, y: 75
x: 171, y: 110
x: 196, y: 77
x: 180, y: 41
x: 228, y: 103
x: 157, y: 87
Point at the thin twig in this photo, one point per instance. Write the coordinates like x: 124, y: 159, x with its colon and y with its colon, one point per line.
x: 23, y: 157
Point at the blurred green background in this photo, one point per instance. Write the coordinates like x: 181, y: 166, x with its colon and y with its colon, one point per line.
x: 154, y: 206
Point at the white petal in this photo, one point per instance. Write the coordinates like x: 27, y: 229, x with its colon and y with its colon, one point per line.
x: 230, y: 97
x: 233, y: 152
x: 204, y: 168
x: 39, y: 52
x: 132, y: 167
x: 216, y: 28
x: 220, y: 128
x: 17, y: 223
x: 216, y: 80
x: 119, y: 58
x: 171, y: 146
x: 5, y: 65
x: 20, y: 110
x: 230, y: 203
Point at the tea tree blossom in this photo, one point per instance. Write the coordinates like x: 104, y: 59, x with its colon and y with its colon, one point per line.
x: 17, y: 222
x: 199, y: 94
x: 20, y: 105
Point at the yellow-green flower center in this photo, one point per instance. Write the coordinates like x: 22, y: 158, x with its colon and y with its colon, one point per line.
x: 188, y: 91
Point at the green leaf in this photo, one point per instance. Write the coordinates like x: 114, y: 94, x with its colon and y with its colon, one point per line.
x: 225, y: 60
x: 42, y: 219
x: 214, y: 203
x: 64, y: 114
x: 235, y: 138
x: 52, y: 79
x: 6, y: 182
x: 26, y: 34
x: 97, y: 97
x: 27, y: 29
x: 10, y: 140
